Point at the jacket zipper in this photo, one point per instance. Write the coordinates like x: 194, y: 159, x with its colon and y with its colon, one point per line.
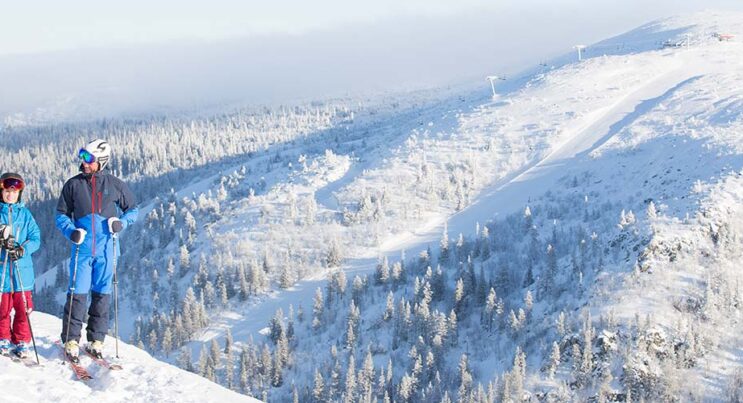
x: 92, y: 215
x: 10, y: 266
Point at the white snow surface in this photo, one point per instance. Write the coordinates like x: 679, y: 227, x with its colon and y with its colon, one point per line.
x: 143, y: 379
x: 543, y: 127
x: 628, y: 109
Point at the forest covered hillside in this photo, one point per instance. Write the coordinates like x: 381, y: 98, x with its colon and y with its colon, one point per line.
x: 574, y: 237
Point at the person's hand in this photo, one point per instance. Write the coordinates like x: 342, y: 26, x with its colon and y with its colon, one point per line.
x: 115, y: 225
x: 16, y: 252
x: 78, y: 236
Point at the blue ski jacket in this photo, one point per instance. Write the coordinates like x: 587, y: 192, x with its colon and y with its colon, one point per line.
x: 88, y: 201
x: 26, y: 232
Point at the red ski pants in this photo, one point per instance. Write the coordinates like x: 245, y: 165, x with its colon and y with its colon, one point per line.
x: 20, y: 331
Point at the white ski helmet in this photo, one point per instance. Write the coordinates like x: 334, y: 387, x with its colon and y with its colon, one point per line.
x: 101, y: 150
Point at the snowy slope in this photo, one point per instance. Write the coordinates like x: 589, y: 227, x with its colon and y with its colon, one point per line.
x: 633, y: 121
x: 143, y: 378
x: 577, y: 142
x: 515, y: 146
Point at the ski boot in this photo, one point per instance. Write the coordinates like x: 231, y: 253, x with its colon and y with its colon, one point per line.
x: 95, y: 349
x: 22, y: 350
x: 5, y: 347
x: 72, y: 351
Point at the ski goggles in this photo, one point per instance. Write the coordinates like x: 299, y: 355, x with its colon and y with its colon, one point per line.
x: 87, y: 157
x: 12, y: 184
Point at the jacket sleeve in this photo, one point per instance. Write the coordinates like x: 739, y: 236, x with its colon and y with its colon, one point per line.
x: 64, y: 211
x: 33, y: 236
x: 127, y: 204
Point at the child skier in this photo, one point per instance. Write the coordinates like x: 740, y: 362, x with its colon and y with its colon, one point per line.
x: 19, y: 237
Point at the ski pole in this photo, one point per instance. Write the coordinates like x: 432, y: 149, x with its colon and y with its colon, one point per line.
x: 28, y: 312
x: 116, y: 301
x: 7, y: 252
x: 5, y: 264
x: 72, y: 292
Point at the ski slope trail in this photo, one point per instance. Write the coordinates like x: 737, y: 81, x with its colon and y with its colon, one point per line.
x: 502, y: 197
x: 516, y: 190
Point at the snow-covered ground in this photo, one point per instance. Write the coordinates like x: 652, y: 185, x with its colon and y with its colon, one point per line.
x: 143, y: 379
x: 628, y: 111
x: 516, y: 146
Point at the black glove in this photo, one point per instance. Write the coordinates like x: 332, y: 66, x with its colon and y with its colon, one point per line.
x: 16, y: 252
x: 114, y: 225
x: 78, y: 236
x: 8, y: 243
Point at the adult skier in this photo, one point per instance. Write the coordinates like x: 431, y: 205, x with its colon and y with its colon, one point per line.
x: 93, y: 208
x: 19, y: 238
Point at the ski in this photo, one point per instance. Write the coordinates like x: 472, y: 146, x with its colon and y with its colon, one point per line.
x: 103, y: 362
x: 28, y: 361
x: 81, y: 373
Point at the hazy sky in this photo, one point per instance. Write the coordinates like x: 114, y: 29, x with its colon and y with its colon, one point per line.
x: 137, y: 55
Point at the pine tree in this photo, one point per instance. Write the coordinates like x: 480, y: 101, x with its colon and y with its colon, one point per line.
x: 382, y: 274
x: 333, y: 257
x: 210, y: 295
x: 318, y: 391
x: 223, y: 295
x: 528, y: 277
x: 399, y: 276
x: 335, y: 380
x: 216, y: 355
x: 561, y: 324
x: 290, y: 323
x: 528, y: 219
x: 554, y: 359
x: 317, y: 309
x: 518, y: 374
x: 513, y: 321
x: 277, y: 325
x: 405, y: 390
x: 155, y: 281
x: 229, y: 370
x: 185, y: 260
x: 282, y: 350
x: 285, y: 278
x: 277, y: 376
x: 489, y: 311
x: 366, y: 377
x: 203, y: 361
x: 389, y: 308
x: 357, y: 289
x: 167, y: 341
x: 453, y: 328
x: 266, y: 363
x: 350, y: 385
x: 548, y: 279
x: 242, y: 280
x: 170, y: 269
x: 184, y: 359
x: 444, y: 244
x: 245, y: 370
x: 652, y: 212
x: 459, y: 296
x: 153, y: 341
x: 465, y: 379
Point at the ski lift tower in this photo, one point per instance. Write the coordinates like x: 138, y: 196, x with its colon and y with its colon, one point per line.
x: 579, y: 48
x: 492, y: 83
